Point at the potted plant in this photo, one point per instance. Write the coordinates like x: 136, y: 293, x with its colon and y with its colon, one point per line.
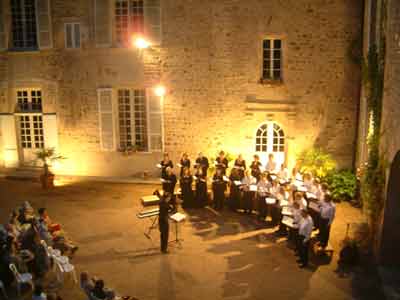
x: 47, y: 156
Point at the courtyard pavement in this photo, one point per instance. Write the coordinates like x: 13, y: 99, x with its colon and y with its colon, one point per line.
x: 223, y: 256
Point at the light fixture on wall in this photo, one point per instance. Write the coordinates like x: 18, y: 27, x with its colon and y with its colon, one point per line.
x: 140, y: 42
x: 160, y: 90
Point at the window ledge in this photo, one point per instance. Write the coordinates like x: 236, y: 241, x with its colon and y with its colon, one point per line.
x: 270, y: 82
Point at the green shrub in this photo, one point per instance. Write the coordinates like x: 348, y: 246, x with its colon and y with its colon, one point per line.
x: 342, y: 184
x: 317, y: 162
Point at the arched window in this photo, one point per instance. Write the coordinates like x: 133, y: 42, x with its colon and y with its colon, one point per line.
x: 270, y: 138
x: 262, y: 139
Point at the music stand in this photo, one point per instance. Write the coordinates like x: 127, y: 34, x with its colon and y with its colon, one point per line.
x: 151, y: 227
x: 177, y: 218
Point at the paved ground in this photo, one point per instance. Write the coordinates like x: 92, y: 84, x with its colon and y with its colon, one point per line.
x: 224, y: 256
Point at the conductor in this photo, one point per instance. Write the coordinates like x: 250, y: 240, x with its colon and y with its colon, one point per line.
x: 163, y: 221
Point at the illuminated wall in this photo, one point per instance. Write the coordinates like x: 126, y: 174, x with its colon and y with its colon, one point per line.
x: 210, y: 62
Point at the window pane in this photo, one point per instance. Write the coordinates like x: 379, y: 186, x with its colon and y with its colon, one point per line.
x: 277, y: 44
x: 277, y: 64
x: 277, y: 74
x: 267, y: 44
x: 277, y: 54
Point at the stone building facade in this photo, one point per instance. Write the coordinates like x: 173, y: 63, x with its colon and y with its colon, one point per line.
x: 243, y: 76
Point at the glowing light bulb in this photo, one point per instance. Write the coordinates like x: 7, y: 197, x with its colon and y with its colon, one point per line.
x: 141, y: 43
x: 160, y: 90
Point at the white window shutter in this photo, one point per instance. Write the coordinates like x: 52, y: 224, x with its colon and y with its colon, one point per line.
x: 43, y: 16
x: 106, y: 120
x: 152, y: 21
x: 50, y: 131
x: 155, y: 122
x: 102, y: 23
x: 3, y: 42
x: 9, y: 140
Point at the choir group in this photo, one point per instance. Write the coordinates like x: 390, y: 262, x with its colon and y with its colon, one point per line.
x: 295, y: 202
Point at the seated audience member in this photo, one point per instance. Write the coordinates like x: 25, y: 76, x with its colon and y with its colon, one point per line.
x: 86, y: 283
x: 38, y: 293
x: 13, y: 226
x: 43, y: 215
x: 41, y: 261
x: 26, y: 213
x: 100, y: 292
x: 53, y: 297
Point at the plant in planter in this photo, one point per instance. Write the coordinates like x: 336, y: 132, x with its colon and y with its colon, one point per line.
x: 47, y: 156
x: 317, y: 162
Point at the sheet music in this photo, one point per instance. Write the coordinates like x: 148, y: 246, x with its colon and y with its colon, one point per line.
x: 179, y: 165
x: 288, y: 221
x: 237, y: 182
x: 302, y: 189
x: 178, y: 217
x: 287, y: 211
x: 311, y: 195
x: 314, y: 206
x: 225, y: 178
x: 270, y: 200
x: 284, y: 202
x: 159, y: 166
x: 253, y: 188
x: 194, y: 177
x: 164, y: 181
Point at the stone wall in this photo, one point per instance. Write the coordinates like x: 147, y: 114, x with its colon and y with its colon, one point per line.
x: 389, y: 237
x: 212, y: 67
x: 210, y: 62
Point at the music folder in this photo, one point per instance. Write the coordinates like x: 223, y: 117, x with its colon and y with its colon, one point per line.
x: 179, y: 165
x: 284, y: 202
x: 302, y: 189
x: 225, y: 178
x: 270, y: 200
x: 289, y: 222
x: 314, y: 206
x: 237, y: 182
x: 159, y: 166
x: 253, y: 188
x: 178, y: 217
x: 311, y: 195
x: 287, y: 211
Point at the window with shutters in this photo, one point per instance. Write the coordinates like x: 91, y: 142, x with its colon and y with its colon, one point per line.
x: 24, y: 33
x: 129, y: 20
x: 72, y: 35
x: 132, y: 118
x: 272, y: 59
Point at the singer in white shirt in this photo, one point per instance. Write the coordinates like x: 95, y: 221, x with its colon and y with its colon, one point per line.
x: 328, y: 211
x: 305, y: 230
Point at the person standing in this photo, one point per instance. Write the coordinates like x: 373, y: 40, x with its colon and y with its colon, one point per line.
x: 248, y: 195
x: 202, y: 163
x: 328, y: 211
x: 184, y: 163
x: 219, y: 187
x: 164, y: 164
x: 201, y: 195
x: 185, y: 183
x: 234, y: 193
x: 263, y: 187
x: 305, y: 230
x: 222, y: 162
x: 169, y: 181
x: 271, y: 164
x: 163, y: 222
x: 256, y: 167
x: 240, y: 165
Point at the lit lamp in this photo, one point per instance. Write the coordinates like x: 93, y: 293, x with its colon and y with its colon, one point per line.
x: 141, y: 43
x: 159, y: 90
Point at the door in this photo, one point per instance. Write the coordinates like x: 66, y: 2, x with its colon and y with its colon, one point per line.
x: 270, y: 139
x: 31, y: 139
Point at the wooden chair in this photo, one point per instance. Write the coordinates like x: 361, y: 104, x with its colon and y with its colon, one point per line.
x: 21, y: 278
x: 3, y: 290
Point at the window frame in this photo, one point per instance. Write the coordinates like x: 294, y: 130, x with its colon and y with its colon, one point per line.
x: 29, y: 92
x: 270, y: 131
x: 12, y: 45
x: 129, y: 22
x: 73, y: 34
x: 133, y: 126
x: 273, y: 80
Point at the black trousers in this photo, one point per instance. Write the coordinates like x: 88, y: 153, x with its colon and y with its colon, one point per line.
x: 164, y: 234
x: 325, y: 230
x: 303, y: 249
x: 248, y: 201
